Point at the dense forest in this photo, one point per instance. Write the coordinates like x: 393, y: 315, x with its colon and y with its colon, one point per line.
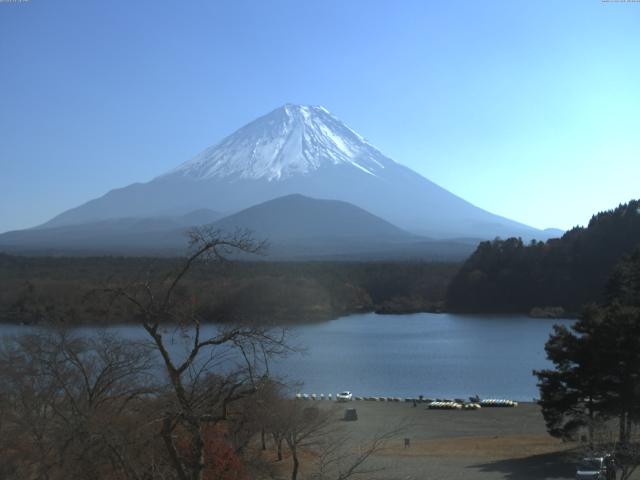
x: 509, y: 276
x: 70, y: 289
x: 553, y: 278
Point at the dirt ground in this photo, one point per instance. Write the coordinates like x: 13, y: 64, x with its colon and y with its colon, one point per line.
x: 486, y: 444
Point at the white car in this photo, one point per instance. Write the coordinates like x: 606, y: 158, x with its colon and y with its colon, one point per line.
x: 344, y: 397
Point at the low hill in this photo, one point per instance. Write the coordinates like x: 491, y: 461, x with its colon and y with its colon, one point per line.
x: 299, y: 227
x: 296, y: 228
x: 298, y: 217
x: 509, y: 276
x: 120, y: 235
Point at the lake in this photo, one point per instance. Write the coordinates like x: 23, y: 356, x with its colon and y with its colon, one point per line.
x: 435, y: 355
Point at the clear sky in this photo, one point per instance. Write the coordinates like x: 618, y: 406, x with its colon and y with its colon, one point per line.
x: 529, y: 109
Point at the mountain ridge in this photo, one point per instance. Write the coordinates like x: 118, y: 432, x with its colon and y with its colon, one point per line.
x: 305, y: 150
x: 295, y: 227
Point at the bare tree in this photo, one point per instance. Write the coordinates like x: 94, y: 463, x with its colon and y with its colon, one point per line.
x: 70, y: 407
x: 305, y: 427
x: 337, y: 459
x: 237, y: 353
x: 320, y: 432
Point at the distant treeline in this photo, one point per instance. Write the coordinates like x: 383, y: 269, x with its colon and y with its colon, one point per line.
x: 509, y: 276
x: 72, y: 289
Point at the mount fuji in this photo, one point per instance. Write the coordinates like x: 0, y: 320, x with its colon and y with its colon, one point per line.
x: 305, y: 150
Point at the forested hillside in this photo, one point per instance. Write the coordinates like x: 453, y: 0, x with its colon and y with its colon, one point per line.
x: 509, y: 276
x: 68, y: 289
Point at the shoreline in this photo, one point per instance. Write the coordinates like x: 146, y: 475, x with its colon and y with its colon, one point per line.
x: 306, y: 321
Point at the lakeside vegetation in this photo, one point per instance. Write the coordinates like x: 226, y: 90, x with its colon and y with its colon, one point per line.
x: 66, y: 289
x: 593, y: 390
x: 554, y: 278
x: 510, y: 276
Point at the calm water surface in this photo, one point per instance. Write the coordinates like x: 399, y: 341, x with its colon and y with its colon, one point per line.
x: 436, y: 355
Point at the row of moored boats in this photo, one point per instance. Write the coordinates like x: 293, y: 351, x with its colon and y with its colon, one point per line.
x: 437, y: 404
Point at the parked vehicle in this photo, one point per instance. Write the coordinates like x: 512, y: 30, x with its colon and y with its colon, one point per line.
x: 350, y: 415
x: 345, y: 396
x: 596, y: 468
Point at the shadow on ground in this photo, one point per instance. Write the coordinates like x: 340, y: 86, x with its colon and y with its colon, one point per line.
x: 556, y: 465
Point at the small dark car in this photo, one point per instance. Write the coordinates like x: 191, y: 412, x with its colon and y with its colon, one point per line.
x: 596, y: 468
x: 350, y: 414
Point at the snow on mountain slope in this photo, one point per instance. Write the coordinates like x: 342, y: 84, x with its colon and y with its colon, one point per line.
x: 291, y: 140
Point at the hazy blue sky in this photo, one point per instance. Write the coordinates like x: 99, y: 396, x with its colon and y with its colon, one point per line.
x: 529, y: 109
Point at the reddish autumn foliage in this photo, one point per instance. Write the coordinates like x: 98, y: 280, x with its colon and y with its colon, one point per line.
x: 221, y: 461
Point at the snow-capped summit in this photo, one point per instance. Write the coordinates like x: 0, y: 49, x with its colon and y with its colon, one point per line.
x: 291, y: 140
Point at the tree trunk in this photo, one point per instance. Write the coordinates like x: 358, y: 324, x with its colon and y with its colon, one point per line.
x: 629, y: 427
x: 198, y: 447
x: 590, y: 422
x: 262, y: 439
x: 279, y: 447
x: 296, y: 464
x: 622, y: 435
x: 171, y: 449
